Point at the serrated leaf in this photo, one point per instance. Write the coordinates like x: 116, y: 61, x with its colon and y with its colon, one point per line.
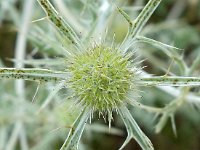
x: 134, y: 130
x: 72, y: 141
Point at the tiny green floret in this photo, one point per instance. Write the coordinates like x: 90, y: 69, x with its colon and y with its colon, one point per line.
x: 101, y: 78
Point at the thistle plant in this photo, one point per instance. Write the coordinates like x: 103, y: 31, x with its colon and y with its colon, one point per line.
x: 103, y: 77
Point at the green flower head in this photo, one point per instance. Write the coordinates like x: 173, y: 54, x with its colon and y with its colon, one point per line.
x: 101, y: 78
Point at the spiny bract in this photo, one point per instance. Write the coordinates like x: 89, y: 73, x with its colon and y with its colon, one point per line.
x: 101, y: 78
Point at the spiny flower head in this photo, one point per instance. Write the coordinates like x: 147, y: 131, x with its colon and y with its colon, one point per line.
x: 101, y: 78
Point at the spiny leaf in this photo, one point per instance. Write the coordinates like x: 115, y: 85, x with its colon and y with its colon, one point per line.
x: 51, y: 95
x: 134, y: 130
x: 39, y: 75
x: 170, y: 81
x: 60, y: 23
x: 144, y: 16
x: 173, y: 125
x: 72, y: 141
x: 137, y: 25
x: 162, y: 122
x: 171, y: 51
x: 126, y: 16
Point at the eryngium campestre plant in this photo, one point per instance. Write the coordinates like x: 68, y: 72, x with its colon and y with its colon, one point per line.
x: 101, y: 76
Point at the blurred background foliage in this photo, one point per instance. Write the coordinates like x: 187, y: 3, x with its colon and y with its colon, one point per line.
x: 174, y: 22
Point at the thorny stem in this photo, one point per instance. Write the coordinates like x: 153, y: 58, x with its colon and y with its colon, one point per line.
x: 61, y: 24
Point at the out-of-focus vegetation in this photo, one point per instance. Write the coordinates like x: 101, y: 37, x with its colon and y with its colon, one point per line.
x: 41, y: 120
